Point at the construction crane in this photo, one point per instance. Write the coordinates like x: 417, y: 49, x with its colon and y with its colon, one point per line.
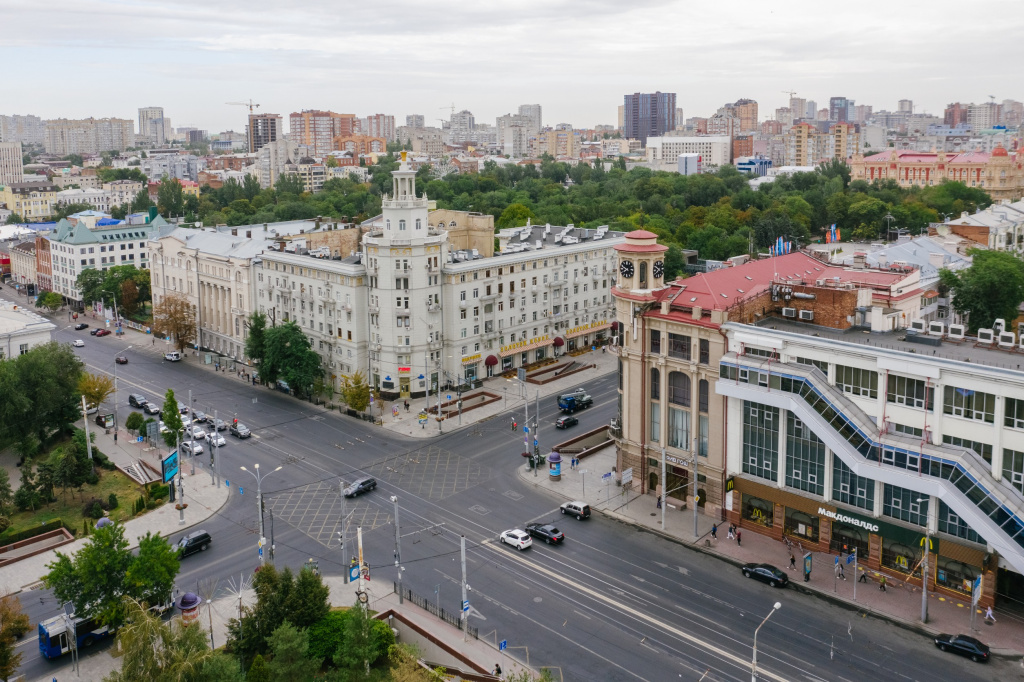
x: 452, y: 107
x: 789, y: 92
x: 252, y: 105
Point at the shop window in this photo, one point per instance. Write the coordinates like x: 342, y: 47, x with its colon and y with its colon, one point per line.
x: 901, y: 557
x: 805, y: 457
x: 956, y: 575
x: 801, y: 525
x: 851, y: 538
x: 760, y: 440
x: 849, y: 488
x: 758, y: 511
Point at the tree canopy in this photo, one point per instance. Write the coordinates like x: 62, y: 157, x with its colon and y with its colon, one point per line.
x: 288, y: 356
x: 40, y: 392
x: 174, y: 316
x: 992, y: 288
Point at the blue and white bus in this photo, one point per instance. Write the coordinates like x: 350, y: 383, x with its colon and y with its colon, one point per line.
x: 54, y: 638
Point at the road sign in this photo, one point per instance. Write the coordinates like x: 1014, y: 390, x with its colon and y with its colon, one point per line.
x: 535, y: 443
x: 605, y: 477
x: 465, y: 606
x: 526, y: 429
x: 240, y: 491
x: 502, y: 645
x: 448, y: 397
x: 353, y: 573
x: 850, y: 558
x: 521, y: 374
x: 627, y: 476
x: 837, y: 561
x: 139, y: 439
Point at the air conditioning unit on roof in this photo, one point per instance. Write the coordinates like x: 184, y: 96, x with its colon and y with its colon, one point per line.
x: 807, y: 315
x: 789, y: 312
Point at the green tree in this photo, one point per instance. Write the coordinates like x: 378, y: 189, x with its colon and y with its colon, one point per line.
x: 327, y: 634
x: 14, y: 219
x: 170, y: 199
x: 255, y: 343
x: 366, y: 641
x: 150, y: 577
x: 12, y: 624
x: 992, y: 288
x: 6, y: 493
x: 91, y: 283
x: 355, y: 391
x: 75, y: 159
x: 141, y: 203
x: 310, y: 600
x: 93, y: 579
x: 515, y: 215
x: 96, y: 388
x: 290, y: 647
x: 171, y: 417
x: 48, y: 376
x: 289, y: 184
x: 258, y: 671
x: 111, y: 174
x: 134, y: 421
x: 50, y: 300
x: 63, y: 210
x: 288, y: 356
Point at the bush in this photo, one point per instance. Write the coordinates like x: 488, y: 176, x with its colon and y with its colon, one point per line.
x: 326, y: 635
x: 152, y: 504
x: 102, y: 460
x: 134, y: 421
x: 112, y: 501
x: 93, y: 508
x: 92, y: 478
x: 158, y: 492
x: 85, y: 527
x: 5, y: 523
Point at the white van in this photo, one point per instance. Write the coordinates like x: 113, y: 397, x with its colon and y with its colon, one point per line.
x: 173, y: 356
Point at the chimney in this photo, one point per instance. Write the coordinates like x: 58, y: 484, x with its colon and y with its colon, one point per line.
x: 860, y: 260
x: 234, y: 232
x: 882, y: 261
x: 697, y: 312
x: 936, y: 260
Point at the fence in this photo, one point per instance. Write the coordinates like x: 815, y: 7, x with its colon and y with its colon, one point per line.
x: 453, y: 619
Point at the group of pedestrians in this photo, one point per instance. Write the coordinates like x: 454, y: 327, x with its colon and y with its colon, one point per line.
x: 574, y: 463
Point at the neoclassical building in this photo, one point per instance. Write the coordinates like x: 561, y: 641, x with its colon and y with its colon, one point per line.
x: 999, y: 173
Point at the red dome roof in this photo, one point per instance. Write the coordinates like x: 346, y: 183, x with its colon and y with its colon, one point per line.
x: 999, y: 151
x: 641, y: 234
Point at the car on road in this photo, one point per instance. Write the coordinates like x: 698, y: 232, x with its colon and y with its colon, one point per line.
x: 516, y: 537
x: 188, y: 448
x: 566, y: 422
x: 94, y: 332
x: 963, y: 645
x: 137, y: 400
x: 182, y: 407
x: 151, y: 408
x: 360, y: 485
x: 766, y: 573
x: 198, y: 416
x: 80, y: 326
x: 186, y: 423
x: 215, y: 439
x: 196, y: 432
x: 78, y: 343
x: 90, y: 408
x: 581, y: 510
x: 199, y: 541
x: 545, y: 532
x: 103, y: 332
x: 220, y: 424
x: 240, y: 430
x: 121, y: 359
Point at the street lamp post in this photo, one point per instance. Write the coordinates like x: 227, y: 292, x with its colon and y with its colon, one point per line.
x: 398, y: 551
x: 924, y: 568
x: 259, y: 498
x: 753, y: 661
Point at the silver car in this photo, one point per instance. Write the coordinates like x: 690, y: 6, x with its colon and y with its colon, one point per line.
x: 215, y: 439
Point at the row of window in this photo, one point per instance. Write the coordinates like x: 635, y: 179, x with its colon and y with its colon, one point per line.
x: 679, y: 346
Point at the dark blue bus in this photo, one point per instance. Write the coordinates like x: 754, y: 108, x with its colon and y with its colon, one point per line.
x: 54, y: 638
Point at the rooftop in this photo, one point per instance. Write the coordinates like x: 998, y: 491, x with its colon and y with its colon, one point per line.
x: 542, y: 237
x: 220, y: 243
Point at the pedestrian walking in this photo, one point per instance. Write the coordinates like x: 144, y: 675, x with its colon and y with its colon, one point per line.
x: 989, y: 616
x: 497, y: 669
x: 406, y: 405
x: 714, y: 531
x: 659, y: 501
x: 732, y: 532
x: 863, y: 576
x: 792, y: 562
x: 154, y: 340
x: 738, y: 538
x: 842, y: 572
x: 881, y: 583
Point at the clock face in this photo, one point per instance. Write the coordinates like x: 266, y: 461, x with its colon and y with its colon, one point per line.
x: 659, y: 268
x: 626, y: 268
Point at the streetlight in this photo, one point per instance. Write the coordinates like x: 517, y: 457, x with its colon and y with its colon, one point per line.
x: 398, y: 550
x: 924, y: 566
x: 115, y: 390
x: 753, y: 662
x: 259, y: 498
x: 117, y: 318
x: 526, y: 422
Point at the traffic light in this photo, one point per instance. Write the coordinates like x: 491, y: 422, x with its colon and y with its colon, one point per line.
x: 234, y: 422
x: 514, y: 424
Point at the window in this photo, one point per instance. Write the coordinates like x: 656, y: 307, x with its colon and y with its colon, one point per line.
x: 761, y: 353
x: 679, y: 389
x: 857, y: 381
x: 760, y: 440
x: 902, y: 503
x: 655, y: 383
x: 963, y: 402
x: 1014, y: 416
x: 982, y: 449
x: 678, y: 428
x: 823, y: 366
x: 1013, y: 468
x: 655, y: 342
x: 910, y: 392
x: 704, y: 429
x: 907, y: 430
x: 705, y: 351
x: 951, y: 523
x: 805, y: 457
x: 679, y: 346
x: 655, y: 422
x: 702, y: 395
x: 849, y: 488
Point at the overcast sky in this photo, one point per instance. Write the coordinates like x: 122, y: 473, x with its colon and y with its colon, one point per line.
x: 78, y: 58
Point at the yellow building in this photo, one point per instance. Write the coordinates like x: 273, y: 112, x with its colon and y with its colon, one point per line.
x: 997, y: 173
x: 33, y: 201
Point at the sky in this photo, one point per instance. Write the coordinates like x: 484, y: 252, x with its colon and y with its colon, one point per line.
x: 80, y: 58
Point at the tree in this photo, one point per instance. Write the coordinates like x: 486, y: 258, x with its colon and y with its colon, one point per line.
x: 355, y: 391
x: 171, y: 416
x: 50, y: 300
x: 289, y: 184
x: 174, y: 316
x: 366, y: 641
x: 14, y: 219
x: 63, y: 209
x: 6, y: 493
x: 311, y: 599
x: 91, y: 283
x: 142, y: 203
x: 75, y: 159
x: 67, y: 472
x: 13, y: 623
x: 290, y: 647
x: 289, y: 356
x: 170, y: 198
x: 150, y: 578
x: 48, y: 377
x: 129, y: 297
x: 258, y: 671
x: 515, y: 215
x: 255, y: 343
x: 111, y: 174
x: 95, y: 387
x: 93, y: 579
x: 992, y: 288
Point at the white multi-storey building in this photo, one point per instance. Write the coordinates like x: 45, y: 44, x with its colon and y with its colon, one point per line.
x: 97, y: 198
x: 11, y: 167
x: 715, y: 150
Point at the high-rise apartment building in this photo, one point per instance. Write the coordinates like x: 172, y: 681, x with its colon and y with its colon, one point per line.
x: 11, y: 168
x: 89, y: 136
x: 905, y: 106
x: 378, y: 125
x: 24, y: 129
x: 983, y: 116
x: 533, y: 113
x: 955, y: 114
x: 317, y: 129
x: 151, y: 124
x: 839, y: 109
x: 746, y: 111
x: 811, y: 109
x: 1012, y: 113
x: 415, y: 121
x: 862, y: 112
x: 648, y: 115
x: 264, y: 129
x: 798, y: 107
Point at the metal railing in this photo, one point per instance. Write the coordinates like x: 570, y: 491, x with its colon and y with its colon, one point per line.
x: 453, y: 619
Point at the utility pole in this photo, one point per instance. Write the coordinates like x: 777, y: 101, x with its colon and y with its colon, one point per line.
x: 398, y: 551
x: 439, y: 418
x: 536, y: 434
x: 214, y: 459
x: 192, y: 433
x: 664, y: 490
x: 465, y: 610
x: 344, y: 549
x: 696, y: 505
x: 85, y: 419
x: 359, y: 548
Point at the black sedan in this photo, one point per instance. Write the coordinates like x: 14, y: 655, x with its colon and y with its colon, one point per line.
x: 545, y: 532
x: 93, y: 332
x: 963, y: 645
x: 566, y: 422
x: 151, y: 408
x: 766, y: 573
x: 81, y: 325
x: 121, y: 359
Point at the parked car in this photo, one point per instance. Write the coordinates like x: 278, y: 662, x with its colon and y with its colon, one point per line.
x: 360, y: 485
x: 581, y: 510
x: 137, y: 400
x: 78, y: 343
x: 566, y: 422
x: 173, y: 356
x: 545, y: 532
x: 220, y: 424
x: 198, y: 416
x: 196, y: 432
x: 516, y: 537
x: 90, y: 408
x: 766, y: 573
x: 965, y: 646
x: 163, y: 427
x: 240, y: 430
x: 121, y: 359
x: 188, y: 448
x: 103, y: 332
x: 283, y: 386
x: 81, y: 325
x: 151, y: 408
x: 94, y: 332
x: 198, y: 541
x: 182, y: 407
x: 215, y: 439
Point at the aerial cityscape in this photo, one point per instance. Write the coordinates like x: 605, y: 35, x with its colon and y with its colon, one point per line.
x: 576, y: 366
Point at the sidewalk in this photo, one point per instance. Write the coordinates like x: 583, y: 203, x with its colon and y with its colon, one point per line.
x: 203, y: 498
x: 900, y: 605
x: 407, y: 423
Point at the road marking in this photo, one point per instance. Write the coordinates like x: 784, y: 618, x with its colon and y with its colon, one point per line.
x: 636, y: 613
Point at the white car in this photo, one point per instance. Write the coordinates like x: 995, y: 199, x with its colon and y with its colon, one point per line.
x: 516, y: 537
x: 196, y: 432
x: 187, y: 448
x: 215, y: 439
x: 186, y: 423
x: 78, y: 343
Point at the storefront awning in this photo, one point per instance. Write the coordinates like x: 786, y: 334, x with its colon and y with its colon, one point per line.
x: 491, y: 361
x: 588, y: 330
x: 523, y: 347
x: 559, y: 342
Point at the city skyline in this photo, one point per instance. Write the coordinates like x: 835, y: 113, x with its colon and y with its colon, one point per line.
x: 402, y: 58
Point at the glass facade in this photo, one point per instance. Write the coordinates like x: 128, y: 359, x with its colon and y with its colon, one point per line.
x: 756, y: 510
x: 952, y: 524
x: 805, y: 457
x: 760, y: 440
x: 801, y: 525
x: 905, y: 505
x: 963, y: 402
x: 849, y: 488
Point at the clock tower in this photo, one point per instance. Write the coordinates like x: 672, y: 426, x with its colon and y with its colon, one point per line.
x: 641, y: 263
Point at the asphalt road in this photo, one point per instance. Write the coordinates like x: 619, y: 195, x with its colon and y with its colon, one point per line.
x: 612, y: 603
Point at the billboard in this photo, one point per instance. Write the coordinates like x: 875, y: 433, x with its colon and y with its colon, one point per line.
x: 170, y: 466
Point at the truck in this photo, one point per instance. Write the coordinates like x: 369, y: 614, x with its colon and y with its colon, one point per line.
x: 570, y: 402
